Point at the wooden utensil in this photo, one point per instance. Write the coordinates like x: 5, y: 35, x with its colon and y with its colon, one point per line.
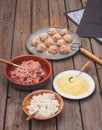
x: 31, y: 116
x: 11, y: 63
x: 82, y: 69
x: 75, y: 46
x: 91, y: 56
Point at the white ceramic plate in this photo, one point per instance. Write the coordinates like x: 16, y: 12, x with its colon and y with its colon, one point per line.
x: 75, y: 72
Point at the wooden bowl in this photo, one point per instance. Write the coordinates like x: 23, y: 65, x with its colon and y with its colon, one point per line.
x: 45, y: 65
x: 26, y: 102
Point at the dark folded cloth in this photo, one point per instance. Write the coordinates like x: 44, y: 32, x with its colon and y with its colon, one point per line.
x: 91, y: 22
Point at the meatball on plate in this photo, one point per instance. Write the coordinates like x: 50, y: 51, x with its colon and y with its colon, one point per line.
x: 53, y: 43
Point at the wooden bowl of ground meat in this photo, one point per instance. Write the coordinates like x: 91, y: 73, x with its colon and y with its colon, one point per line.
x: 33, y: 76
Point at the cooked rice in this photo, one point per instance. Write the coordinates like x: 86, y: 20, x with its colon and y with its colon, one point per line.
x: 44, y: 105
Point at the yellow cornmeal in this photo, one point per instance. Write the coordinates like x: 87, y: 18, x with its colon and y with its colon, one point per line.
x: 77, y: 86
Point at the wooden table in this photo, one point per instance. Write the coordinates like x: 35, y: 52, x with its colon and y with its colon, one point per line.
x: 18, y: 18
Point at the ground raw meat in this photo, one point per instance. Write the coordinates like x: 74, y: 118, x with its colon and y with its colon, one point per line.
x: 32, y: 75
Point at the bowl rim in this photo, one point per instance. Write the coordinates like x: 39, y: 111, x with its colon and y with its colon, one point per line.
x: 29, y: 55
x: 37, y: 92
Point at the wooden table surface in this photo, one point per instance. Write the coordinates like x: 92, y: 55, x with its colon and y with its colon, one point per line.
x: 18, y: 18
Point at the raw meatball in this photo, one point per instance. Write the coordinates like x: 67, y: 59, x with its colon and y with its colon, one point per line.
x: 41, y: 47
x: 68, y: 38
x: 43, y: 36
x: 56, y: 37
x: 49, y: 42
x: 53, y: 49
x: 61, y: 42
x: 64, y: 49
x: 35, y: 41
x: 52, y: 31
x: 63, y: 31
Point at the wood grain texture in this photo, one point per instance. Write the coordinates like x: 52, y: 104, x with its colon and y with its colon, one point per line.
x: 21, y: 28
x: 19, y: 18
x: 71, y: 111
x: 40, y: 19
x: 40, y: 15
x: 97, y: 50
x: 7, y: 12
x: 15, y: 118
x: 93, y: 104
x: 84, y: 2
x: 89, y: 107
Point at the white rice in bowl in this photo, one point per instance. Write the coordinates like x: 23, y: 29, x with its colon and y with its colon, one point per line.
x: 43, y: 105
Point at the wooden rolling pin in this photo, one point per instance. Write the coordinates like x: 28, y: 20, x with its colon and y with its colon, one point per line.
x: 91, y: 56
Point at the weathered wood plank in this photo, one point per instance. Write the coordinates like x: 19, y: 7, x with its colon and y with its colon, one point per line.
x: 91, y: 119
x: 40, y: 19
x: 22, y: 27
x: 17, y: 19
x: 92, y: 107
x: 57, y: 9
x: 84, y: 2
x: 73, y: 5
x: 15, y: 117
x: 40, y: 15
x: 97, y: 50
x: 7, y: 12
x: 71, y: 109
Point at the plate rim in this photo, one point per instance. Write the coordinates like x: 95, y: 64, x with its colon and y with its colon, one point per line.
x: 82, y: 96
x: 51, y: 56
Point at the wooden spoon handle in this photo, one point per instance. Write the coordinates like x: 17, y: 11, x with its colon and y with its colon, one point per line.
x: 90, y: 55
x: 6, y: 61
x: 30, y: 117
x: 85, y: 65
